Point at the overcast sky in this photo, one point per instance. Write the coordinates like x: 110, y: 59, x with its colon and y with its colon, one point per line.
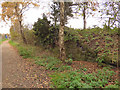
x: 33, y: 14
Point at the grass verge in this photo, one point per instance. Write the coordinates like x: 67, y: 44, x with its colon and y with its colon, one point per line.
x: 25, y: 52
x: 2, y: 40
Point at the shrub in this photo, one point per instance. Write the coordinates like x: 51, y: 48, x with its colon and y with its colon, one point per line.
x: 30, y: 36
x: 26, y: 53
x: 41, y: 29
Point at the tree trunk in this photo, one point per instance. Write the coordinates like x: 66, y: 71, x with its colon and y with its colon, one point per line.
x: 22, y: 33
x: 61, y: 33
x: 118, y: 60
x: 55, y: 20
x: 19, y: 17
x: 109, y: 24
x: 84, y: 16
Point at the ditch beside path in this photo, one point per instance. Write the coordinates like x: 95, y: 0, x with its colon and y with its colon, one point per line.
x: 21, y: 73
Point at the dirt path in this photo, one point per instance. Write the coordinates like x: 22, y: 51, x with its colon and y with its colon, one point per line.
x: 20, y: 73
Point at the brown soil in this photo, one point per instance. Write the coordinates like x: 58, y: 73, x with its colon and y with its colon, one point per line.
x: 90, y: 66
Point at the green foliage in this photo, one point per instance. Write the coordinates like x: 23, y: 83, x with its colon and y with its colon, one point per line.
x: 80, y: 44
x: 105, y: 27
x: 41, y: 62
x: 103, y: 42
x: 23, y: 51
x: 109, y: 45
x: 75, y: 47
x: 69, y: 61
x: 41, y: 29
x: 46, y: 35
x: 55, y: 11
x: 13, y: 43
x: 104, y: 58
x: 112, y: 86
x: 14, y: 34
x: 97, y: 43
x: 84, y: 69
x: 71, y: 35
x: 51, y: 63
x: 30, y: 37
x: 108, y: 39
x: 98, y: 49
x: 53, y: 35
x: 99, y: 60
x: 64, y: 67
x: 73, y: 79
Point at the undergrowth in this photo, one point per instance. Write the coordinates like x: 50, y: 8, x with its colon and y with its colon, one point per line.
x: 79, y: 79
x: 51, y: 63
x: 23, y: 51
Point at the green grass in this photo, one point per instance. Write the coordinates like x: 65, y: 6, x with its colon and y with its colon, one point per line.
x: 25, y: 52
x: 2, y: 40
x: 13, y: 43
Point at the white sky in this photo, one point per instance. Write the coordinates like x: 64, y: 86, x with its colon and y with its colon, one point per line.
x: 33, y: 14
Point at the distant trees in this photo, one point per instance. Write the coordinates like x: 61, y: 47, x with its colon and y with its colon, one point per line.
x: 85, y: 9
x: 55, y: 13
x: 111, y: 9
x: 14, y: 11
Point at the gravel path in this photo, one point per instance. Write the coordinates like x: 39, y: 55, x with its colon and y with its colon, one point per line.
x: 21, y: 73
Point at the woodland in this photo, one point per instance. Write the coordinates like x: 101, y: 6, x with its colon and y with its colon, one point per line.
x: 73, y: 58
